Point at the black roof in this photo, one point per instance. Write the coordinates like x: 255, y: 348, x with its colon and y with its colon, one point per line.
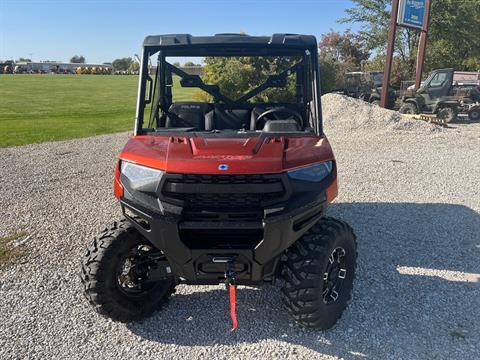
x: 184, y: 40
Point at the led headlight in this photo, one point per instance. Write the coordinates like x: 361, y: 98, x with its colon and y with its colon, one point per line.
x: 141, y: 178
x: 314, y: 173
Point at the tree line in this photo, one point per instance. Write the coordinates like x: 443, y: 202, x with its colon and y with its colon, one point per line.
x: 453, y: 41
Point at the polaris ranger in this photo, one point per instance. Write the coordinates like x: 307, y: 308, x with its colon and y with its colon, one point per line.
x: 226, y: 191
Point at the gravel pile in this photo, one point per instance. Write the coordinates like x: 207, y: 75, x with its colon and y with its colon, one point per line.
x: 412, y: 198
x: 345, y: 113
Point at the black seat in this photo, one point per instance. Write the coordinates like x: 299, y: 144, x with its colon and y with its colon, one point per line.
x: 204, y: 116
x: 188, y: 115
x: 225, y: 118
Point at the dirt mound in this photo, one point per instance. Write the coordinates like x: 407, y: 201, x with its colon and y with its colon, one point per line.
x: 345, y: 113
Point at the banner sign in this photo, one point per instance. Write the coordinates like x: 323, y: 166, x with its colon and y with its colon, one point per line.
x: 411, y: 13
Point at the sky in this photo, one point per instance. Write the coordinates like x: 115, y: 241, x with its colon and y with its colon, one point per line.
x: 103, y: 30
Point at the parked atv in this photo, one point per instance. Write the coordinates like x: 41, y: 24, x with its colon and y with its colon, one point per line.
x: 366, y: 86
x: 230, y: 191
x: 470, y: 104
x: 435, y: 96
x: 473, y: 111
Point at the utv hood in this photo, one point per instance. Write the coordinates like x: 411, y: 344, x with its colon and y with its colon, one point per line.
x: 200, y: 155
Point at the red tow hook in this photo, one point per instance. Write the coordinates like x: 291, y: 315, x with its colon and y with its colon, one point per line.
x: 232, y: 292
x: 232, y: 289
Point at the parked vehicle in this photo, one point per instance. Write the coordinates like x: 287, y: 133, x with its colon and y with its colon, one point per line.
x: 7, y: 68
x: 229, y: 191
x: 473, y: 111
x: 460, y: 79
x: 470, y: 104
x: 19, y: 69
x: 366, y: 86
x: 436, y: 96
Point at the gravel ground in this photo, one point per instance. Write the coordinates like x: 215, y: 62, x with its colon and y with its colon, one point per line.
x: 410, y: 191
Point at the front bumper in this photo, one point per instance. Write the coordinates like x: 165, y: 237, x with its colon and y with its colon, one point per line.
x: 197, y: 245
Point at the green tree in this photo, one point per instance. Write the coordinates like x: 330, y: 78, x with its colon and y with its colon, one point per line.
x: 122, y: 64
x: 189, y: 63
x: 339, y: 53
x: 77, y: 59
x: 21, y: 59
x: 346, y: 48
x: 329, y: 74
x: 453, y: 37
x: 399, y: 69
x: 134, y: 66
x: 374, y: 17
x: 237, y: 75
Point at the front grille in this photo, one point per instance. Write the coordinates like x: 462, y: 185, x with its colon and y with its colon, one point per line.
x: 224, y: 179
x: 223, y: 200
x: 224, y: 191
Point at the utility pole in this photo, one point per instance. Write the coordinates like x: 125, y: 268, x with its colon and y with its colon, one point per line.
x: 388, y: 62
x: 422, y: 46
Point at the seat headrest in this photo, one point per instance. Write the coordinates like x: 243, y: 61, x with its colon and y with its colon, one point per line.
x: 188, y: 114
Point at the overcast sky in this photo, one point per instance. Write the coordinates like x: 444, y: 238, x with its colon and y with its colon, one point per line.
x: 103, y: 30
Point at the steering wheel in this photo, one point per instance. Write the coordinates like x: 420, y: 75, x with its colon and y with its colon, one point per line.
x: 275, y: 112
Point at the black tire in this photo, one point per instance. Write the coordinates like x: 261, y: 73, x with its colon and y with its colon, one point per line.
x: 408, y: 108
x: 447, y: 114
x: 100, y: 277
x: 474, y: 113
x: 304, y: 267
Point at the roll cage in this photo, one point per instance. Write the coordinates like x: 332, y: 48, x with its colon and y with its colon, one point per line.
x: 227, y: 45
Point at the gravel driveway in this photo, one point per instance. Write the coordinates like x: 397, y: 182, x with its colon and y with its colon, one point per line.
x: 412, y: 197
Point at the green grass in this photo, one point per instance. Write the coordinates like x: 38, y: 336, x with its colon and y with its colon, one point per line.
x: 38, y: 108
x: 7, y: 252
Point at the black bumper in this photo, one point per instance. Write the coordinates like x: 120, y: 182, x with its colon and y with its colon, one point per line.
x: 197, y: 245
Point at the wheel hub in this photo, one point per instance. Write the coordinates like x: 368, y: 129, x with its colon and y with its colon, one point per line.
x: 334, y: 275
x: 133, y: 270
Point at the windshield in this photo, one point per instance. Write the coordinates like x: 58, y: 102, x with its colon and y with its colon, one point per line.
x: 377, y: 78
x: 235, y: 93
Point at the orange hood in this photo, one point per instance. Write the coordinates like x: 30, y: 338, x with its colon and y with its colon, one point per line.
x: 204, y: 155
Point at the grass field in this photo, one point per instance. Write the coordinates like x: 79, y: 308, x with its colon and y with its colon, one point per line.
x: 38, y: 108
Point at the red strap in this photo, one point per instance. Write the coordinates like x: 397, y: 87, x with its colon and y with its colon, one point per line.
x: 233, y: 310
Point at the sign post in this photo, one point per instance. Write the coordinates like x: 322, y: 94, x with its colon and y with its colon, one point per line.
x: 422, y: 46
x: 388, y: 61
x: 413, y: 14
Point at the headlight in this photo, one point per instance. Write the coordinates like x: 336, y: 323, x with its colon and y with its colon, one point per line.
x: 141, y: 178
x: 314, y: 173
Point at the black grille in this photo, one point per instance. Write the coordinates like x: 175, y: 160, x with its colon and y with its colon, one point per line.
x: 225, y: 179
x: 223, y: 200
x: 224, y: 191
